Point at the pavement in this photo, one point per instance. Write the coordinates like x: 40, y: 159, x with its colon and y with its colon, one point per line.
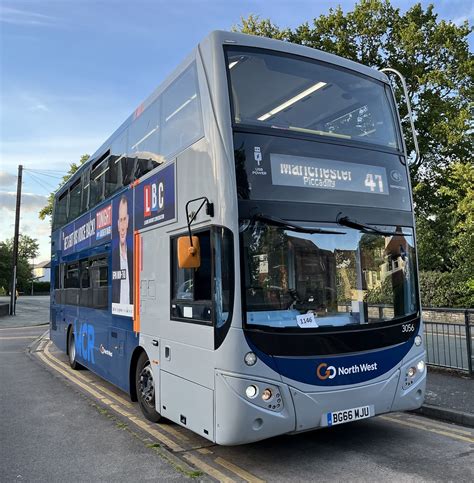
x: 449, y: 395
x: 31, y: 310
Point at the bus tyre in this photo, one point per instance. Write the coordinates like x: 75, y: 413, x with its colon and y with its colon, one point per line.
x: 145, y: 387
x: 71, y: 350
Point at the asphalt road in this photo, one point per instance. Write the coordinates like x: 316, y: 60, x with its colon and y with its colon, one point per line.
x: 62, y: 425
x: 50, y: 432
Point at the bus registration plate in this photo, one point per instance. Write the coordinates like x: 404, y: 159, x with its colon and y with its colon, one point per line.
x: 347, y: 415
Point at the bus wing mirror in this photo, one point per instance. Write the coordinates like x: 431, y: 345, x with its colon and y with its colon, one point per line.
x: 189, y: 252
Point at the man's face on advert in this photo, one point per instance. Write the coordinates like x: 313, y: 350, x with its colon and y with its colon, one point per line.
x: 123, y: 221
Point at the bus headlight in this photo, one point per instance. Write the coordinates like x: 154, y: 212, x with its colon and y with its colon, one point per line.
x: 251, y: 391
x: 267, y: 394
x: 411, y: 372
x: 421, y: 366
x: 250, y: 358
x: 418, y: 340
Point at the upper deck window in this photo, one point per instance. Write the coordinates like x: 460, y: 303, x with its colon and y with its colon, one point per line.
x: 292, y: 93
x: 181, y: 114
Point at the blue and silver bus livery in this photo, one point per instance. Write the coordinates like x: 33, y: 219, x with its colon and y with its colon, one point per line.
x: 240, y: 255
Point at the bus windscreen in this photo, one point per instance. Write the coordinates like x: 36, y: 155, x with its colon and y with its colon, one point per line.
x: 301, y: 95
x: 315, y: 280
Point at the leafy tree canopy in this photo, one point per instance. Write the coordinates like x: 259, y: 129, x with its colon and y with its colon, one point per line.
x: 47, y: 210
x: 28, y: 248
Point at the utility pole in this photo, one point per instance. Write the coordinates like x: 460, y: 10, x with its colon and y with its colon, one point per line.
x: 15, y: 242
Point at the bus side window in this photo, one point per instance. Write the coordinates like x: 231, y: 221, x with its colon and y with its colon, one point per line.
x: 191, y: 297
x: 85, y: 295
x: 60, y: 211
x: 97, y: 184
x: 99, y: 276
x: 144, y: 140
x: 224, y: 275
x: 71, y: 284
x: 181, y: 120
x: 85, y: 190
x: 75, y: 200
x: 113, y: 177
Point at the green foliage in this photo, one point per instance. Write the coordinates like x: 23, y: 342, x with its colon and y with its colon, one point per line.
x: 382, y: 294
x: 47, y: 210
x: 28, y: 248
x: 433, y: 55
x: 446, y: 289
x: 41, y: 287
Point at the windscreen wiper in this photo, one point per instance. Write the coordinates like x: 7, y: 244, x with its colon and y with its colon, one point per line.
x: 273, y: 220
x: 350, y: 223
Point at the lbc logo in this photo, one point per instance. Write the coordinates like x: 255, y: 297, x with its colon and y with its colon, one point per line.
x: 153, y: 198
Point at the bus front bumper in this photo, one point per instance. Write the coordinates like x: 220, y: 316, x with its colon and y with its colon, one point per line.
x: 240, y: 419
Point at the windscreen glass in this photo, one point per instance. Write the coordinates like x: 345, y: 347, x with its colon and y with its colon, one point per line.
x: 309, y: 281
x: 295, y: 94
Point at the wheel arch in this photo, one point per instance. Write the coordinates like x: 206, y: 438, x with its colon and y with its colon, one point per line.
x: 131, y: 373
x: 69, y: 329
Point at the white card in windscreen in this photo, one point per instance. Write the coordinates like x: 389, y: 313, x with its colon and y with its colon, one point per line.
x: 306, y: 321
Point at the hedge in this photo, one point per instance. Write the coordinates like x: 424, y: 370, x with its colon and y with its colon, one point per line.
x: 446, y: 289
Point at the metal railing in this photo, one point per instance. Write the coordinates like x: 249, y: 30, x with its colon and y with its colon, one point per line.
x: 449, y: 342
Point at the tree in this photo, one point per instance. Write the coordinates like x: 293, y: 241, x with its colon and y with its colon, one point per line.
x: 28, y: 248
x: 47, y: 210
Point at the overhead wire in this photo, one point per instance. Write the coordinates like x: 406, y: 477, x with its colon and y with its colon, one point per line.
x: 43, y: 183
x: 38, y: 171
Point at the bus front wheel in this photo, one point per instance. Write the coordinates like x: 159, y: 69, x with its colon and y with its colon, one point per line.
x: 145, y: 387
x: 71, y: 350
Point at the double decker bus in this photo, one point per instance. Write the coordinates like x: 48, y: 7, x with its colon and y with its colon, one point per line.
x: 239, y: 256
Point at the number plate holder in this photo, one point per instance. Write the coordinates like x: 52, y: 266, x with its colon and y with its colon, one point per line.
x: 347, y: 415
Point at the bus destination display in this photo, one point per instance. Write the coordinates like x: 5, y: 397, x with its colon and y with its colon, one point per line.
x: 327, y: 174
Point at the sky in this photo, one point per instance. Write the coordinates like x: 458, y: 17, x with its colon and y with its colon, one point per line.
x: 71, y: 71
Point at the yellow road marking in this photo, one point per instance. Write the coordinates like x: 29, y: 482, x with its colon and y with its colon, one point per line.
x: 56, y: 364
x: 440, y: 426
x: 20, y: 337
x: 204, y: 451
x: 118, y: 398
x: 174, y: 432
x: 159, y: 436
x: 164, y: 439
x: 66, y: 367
x: 110, y: 393
x: 120, y: 410
x: 245, y: 475
x: 208, y: 469
x: 430, y: 430
x: 29, y: 327
x: 76, y: 381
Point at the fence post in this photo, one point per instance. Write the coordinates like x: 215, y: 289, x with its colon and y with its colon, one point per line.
x: 468, y: 341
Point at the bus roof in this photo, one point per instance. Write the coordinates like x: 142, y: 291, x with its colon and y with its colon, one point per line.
x: 217, y: 39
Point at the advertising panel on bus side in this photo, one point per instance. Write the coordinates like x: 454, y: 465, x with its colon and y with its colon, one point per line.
x: 122, y: 254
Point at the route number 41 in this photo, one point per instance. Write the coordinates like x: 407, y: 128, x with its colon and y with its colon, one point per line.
x: 374, y: 181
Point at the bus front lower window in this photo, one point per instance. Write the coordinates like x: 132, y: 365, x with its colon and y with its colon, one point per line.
x: 302, y: 280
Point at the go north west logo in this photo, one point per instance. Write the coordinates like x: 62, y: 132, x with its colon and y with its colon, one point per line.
x: 323, y: 371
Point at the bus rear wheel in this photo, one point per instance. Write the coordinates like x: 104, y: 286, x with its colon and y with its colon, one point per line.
x: 71, y: 350
x: 145, y: 388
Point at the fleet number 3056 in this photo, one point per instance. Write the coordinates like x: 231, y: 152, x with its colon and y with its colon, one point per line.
x: 408, y: 327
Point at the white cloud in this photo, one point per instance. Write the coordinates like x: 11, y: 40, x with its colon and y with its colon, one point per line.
x: 7, y: 179
x: 39, y: 107
x: 30, y: 202
x: 17, y: 16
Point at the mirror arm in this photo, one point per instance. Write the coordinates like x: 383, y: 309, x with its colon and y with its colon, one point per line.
x: 209, y: 211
